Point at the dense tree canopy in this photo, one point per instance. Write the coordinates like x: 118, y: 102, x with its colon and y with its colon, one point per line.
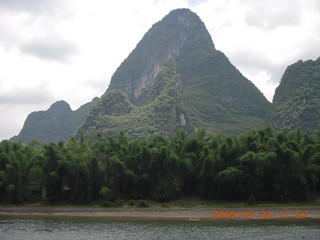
x: 260, y: 165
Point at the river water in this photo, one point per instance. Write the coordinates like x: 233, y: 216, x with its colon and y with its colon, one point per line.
x: 95, y: 229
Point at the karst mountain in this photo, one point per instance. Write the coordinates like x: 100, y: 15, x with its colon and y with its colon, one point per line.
x: 175, y: 78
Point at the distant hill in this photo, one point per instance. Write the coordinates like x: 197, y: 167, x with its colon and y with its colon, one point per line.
x: 212, y: 94
x: 57, y: 123
x: 296, y: 102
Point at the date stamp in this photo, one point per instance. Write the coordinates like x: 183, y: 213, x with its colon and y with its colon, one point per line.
x: 259, y: 214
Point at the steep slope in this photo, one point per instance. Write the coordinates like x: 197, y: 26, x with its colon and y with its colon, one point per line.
x: 214, y: 93
x: 179, y: 29
x: 296, y: 102
x: 162, y: 113
x: 217, y: 96
x: 57, y: 123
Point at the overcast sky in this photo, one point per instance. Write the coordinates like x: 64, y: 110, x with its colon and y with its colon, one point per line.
x: 68, y: 49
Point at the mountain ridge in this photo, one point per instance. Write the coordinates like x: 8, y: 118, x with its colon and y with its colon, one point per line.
x: 55, y: 124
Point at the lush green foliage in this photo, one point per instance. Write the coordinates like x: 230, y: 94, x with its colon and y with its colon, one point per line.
x: 258, y: 165
x: 216, y: 95
x: 160, y: 115
x: 296, y: 100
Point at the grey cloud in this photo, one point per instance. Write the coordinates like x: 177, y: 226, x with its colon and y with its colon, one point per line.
x: 50, y: 48
x: 7, y: 36
x: 33, y: 6
x: 315, y: 5
x: 11, y: 121
x: 268, y: 15
x: 97, y: 84
x: 26, y: 96
x: 258, y: 62
x: 14, y: 115
x: 271, y: 20
x: 311, y: 48
x: 195, y: 2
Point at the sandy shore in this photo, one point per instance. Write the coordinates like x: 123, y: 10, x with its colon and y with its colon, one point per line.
x: 195, y: 214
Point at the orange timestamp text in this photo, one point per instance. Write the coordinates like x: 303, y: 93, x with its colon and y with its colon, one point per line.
x: 259, y: 214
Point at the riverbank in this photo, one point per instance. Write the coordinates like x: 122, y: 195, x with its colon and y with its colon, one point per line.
x: 193, y: 214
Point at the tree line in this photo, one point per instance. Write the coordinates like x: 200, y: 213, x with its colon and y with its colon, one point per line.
x: 261, y: 165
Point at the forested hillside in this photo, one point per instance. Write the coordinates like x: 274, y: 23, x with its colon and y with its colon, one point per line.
x: 296, y: 102
x: 259, y: 165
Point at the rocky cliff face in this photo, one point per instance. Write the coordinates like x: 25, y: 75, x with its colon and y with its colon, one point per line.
x: 57, y: 123
x: 296, y: 101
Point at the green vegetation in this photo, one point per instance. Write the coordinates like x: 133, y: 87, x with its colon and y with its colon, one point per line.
x: 262, y: 165
x: 178, y: 29
x: 214, y: 94
x: 160, y: 115
x: 150, y: 95
x: 57, y: 123
x: 296, y: 100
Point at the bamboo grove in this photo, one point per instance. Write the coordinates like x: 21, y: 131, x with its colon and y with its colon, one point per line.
x: 262, y: 165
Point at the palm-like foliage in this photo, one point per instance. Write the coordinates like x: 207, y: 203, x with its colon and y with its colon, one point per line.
x: 258, y: 165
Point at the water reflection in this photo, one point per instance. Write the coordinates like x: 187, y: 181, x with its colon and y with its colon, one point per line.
x: 87, y: 229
